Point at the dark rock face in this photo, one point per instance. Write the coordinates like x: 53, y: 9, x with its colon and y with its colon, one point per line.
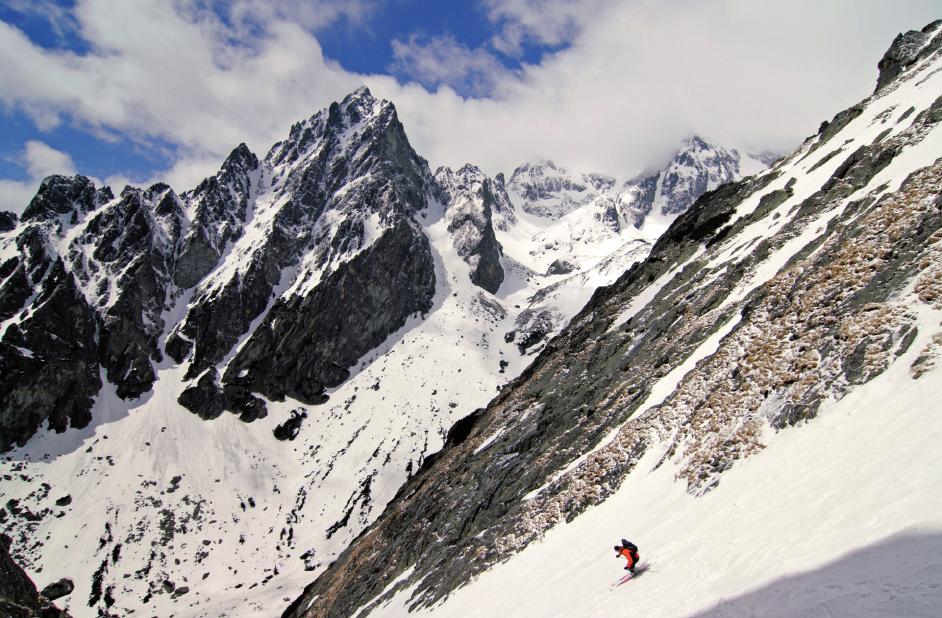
x: 98, y: 304
x: 471, y: 200
x: 49, y: 360
x: 489, y: 274
x: 59, y: 589
x: 829, y: 129
x: 18, y: 595
x: 49, y: 366
x: 222, y: 203
x: 560, y: 267
x: 134, y: 241
x: 337, y: 266
x: 214, y: 324
x: 307, y: 343
x: 223, y: 313
x: 60, y: 195
x: 8, y: 221
x: 209, y: 400
x: 905, y: 50
x: 205, y: 398
x: 290, y: 429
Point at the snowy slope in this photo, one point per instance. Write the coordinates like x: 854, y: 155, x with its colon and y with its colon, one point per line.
x: 582, y: 230
x: 751, y: 405
x: 262, y: 504
x: 852, y: 531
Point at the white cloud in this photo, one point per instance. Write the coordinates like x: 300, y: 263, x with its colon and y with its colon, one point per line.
x: 635, y: 78
x: 640, y: 76
x: 433, y: 61
x: 39, y: 160
x: 545, y: 22
x: 311, y: 14
x: 15, y: 195
x: 42, y: 160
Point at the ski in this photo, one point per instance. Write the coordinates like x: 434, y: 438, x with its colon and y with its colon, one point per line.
x: 643, y: 567
x: 622, y: 580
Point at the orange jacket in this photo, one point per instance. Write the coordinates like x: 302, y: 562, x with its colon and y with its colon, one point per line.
x: 628, y: 556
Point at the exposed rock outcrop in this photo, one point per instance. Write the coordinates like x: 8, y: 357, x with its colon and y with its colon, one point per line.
x: 307, y: 343
x: 8, y: 221
x: 18, y: 595
x: 64, y: 197
x: 906, y: 49
x: 58, y: 589
x: 471, y: 201
x: 48, y: 359
x: 221, y: 207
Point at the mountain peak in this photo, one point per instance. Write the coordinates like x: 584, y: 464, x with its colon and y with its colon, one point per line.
x: 905, y: 49
x: 360, y: 93
x: 698, y: 143
x: 61, y: 195
x: 360, y: 104
x: 695, y: 141
x: 357, y: 114
x: 242, y: 157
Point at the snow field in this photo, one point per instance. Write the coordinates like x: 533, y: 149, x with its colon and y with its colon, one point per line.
x: 866, y: 472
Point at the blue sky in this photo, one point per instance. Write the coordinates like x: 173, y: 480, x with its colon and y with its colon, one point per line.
x: 147, y: 90
x: 367, y: 48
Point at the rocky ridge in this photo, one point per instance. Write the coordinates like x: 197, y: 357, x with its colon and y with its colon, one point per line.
x: 474, y: 203
x: 89, y: 278
x: 545, y: 189
x: 607, y: 225
x: 334, y: 217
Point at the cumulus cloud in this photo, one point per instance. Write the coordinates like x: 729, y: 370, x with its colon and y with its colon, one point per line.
x: 39, y: 161
x: 632, y: 80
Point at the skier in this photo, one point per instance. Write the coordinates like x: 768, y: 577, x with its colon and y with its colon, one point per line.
x: 629, y: 551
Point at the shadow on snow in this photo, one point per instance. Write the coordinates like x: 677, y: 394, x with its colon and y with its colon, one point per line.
x: 898, y: 576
